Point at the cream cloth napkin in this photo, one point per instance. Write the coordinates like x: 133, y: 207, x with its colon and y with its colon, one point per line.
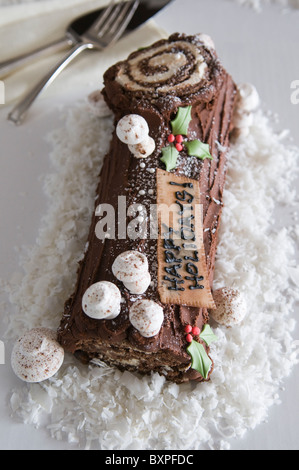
x: 27, y: 26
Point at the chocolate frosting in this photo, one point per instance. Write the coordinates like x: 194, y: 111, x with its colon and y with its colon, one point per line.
x: 212, y: 98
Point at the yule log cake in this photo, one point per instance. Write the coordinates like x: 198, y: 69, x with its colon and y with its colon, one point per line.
x: 145, y: 284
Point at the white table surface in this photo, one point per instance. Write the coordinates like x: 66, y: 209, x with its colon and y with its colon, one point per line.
x: 258, y: 48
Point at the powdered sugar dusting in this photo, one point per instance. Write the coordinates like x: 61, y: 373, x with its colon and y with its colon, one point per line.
x: 100, y: 407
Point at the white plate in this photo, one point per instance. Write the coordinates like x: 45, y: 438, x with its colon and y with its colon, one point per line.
x: 259, y: 48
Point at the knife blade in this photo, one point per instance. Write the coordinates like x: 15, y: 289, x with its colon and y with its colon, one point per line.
x: 146, y: 10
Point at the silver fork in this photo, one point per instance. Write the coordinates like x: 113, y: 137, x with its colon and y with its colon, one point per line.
x: 106, y: 30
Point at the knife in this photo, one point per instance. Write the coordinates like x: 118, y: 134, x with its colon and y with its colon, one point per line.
x: 78, y: 27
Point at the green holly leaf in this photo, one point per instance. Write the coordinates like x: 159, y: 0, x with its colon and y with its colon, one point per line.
x: 200, y: 360
x: 198, y: 149
x: 180, y: 124
x: 170, y: 157
x: 207, y: 335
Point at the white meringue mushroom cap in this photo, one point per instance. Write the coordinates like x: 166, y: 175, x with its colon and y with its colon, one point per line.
x: 144, y: 149
x: 147, y: 317
x: 231, y: 307
x: 132, y: 129
x: 248, y: 97
x: 130, y: 266
x: 102, y: 301
x: 139, y: 286
x: 37, y: 355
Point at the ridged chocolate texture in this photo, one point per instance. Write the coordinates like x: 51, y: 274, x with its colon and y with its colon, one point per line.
x: 149, y: 83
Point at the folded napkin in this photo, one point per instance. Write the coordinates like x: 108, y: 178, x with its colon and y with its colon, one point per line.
x: 24, y: 27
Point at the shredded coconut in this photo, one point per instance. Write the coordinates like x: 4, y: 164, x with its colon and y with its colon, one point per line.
x: 98, y: 407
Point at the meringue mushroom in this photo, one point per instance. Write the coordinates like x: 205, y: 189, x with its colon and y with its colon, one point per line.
x: 231, y: 307
x: 147, y: 317
x: 37, y: 355
x: 132, y: 129
x: 248, y: 101
x: 144, y: 149
x: 139, y: 286
x: 248, y: 97
x: 130, y: 266
x: 102, y: 301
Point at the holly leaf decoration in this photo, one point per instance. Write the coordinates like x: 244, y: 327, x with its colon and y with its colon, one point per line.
x: 207, y: 335
x: 170, y: 157
x: 198, y: 149
x: 180, y: 124
x: 200, y: 360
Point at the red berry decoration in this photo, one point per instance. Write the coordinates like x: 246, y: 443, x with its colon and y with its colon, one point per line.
x: 195, y: 331
x: 188, y: 329
x: 171, y: 138
x: 179, y: 139
x: 189, y: 338
x: 179, y: 147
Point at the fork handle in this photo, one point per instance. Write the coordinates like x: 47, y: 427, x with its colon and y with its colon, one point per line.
x: 19, y: 111
x: 10, y: 66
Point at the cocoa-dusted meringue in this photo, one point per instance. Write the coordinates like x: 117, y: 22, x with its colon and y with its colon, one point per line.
x: 147, y: 317
x: 231, y: 307
x: 132, y: 129
x: 37, y: 356
x: 144, y: 149
x: 130, y: 266
x: 139, y: 286
x: 102, y: 301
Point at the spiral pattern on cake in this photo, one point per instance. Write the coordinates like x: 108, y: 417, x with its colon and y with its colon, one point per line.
x: 167, y: 68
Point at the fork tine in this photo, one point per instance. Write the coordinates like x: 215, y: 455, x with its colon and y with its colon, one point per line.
x: 106, y: 28
x: 100, y: 22
x: 125, y: 15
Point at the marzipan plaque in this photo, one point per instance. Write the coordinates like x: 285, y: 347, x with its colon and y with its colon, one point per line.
x: 182, y: 270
